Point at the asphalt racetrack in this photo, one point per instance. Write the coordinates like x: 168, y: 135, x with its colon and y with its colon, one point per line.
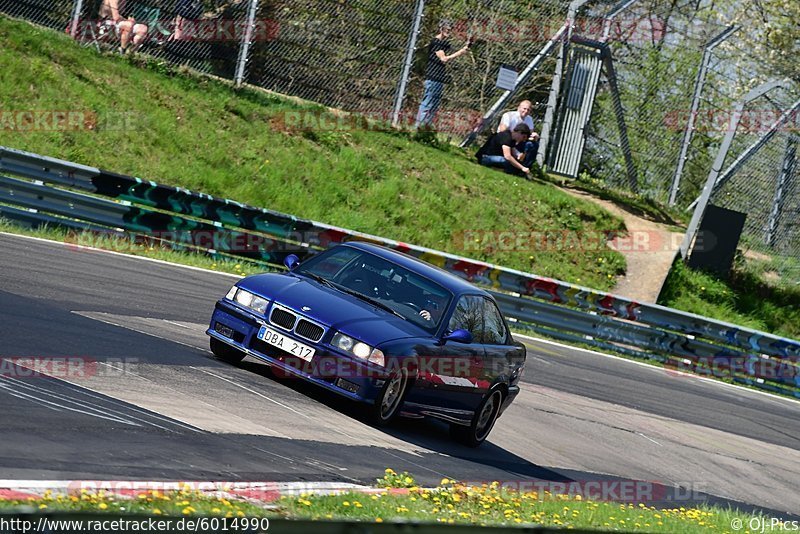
x: 147, y: 400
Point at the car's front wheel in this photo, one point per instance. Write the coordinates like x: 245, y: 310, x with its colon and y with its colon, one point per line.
x: 390, y: 399
x: 482, y: 422
x: 225, y: 352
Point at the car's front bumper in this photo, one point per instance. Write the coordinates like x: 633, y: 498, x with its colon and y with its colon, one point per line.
x: 328, y: 369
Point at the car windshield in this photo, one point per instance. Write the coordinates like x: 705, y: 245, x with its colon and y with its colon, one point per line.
x: 414, y: 297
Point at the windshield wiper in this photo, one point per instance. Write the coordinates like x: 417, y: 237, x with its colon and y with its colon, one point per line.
x: 321, y: 280
x: 374, y: 302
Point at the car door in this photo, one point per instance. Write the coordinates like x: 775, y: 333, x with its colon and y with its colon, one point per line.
x: 503, y: 357
x: 449, y: 372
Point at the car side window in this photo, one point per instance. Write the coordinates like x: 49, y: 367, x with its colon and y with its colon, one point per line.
x: 494, y: 332
x: 468, y: 315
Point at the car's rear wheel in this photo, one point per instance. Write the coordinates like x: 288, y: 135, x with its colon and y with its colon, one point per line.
x: 390, y: 399
x: 225, y: 352
x: 482, y: 422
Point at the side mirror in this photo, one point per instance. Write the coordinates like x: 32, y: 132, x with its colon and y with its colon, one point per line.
x: 459, y: 336
x: 291, y: 261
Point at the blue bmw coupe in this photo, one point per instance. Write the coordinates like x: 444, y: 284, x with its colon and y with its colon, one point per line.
x: 380, y: 327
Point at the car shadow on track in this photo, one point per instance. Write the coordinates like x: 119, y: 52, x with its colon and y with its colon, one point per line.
x: 509, y: 469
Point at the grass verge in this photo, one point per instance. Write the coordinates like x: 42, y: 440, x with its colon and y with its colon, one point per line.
x: 749, y: 298
x: 196, y: 132
x: 451, y: 502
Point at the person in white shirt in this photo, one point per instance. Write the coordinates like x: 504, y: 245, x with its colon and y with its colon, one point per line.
x: 525, y: 152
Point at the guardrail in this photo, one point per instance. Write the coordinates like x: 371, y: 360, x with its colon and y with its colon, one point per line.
x: 111, y: 202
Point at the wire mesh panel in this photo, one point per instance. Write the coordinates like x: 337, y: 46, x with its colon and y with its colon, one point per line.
x: 54, y: 14
x: 347, y: 55
x: 501, y: 33
x: 760, y: 178
x: 657, y: 47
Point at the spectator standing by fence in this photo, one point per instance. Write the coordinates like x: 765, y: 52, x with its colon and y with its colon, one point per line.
x: 436, y: 76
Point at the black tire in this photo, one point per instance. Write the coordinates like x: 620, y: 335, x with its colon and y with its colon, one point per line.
x: 225, y: 352
x: 390, y: 399
x: 482, y: 422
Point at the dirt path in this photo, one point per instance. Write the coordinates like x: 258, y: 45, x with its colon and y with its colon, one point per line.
x: 649, y: 250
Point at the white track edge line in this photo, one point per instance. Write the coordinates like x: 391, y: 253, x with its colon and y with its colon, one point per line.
x: 656, y: 368
x: 115, y: 253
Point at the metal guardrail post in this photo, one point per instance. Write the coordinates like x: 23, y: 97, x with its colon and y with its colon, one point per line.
x: 698, y: 89
x: 244, y: 47
x: 419, y: 12
x: 716, y: 168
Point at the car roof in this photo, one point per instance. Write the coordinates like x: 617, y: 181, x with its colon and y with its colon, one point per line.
x: 450, y: 281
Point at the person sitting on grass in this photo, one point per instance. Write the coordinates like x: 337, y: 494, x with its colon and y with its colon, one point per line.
x: 132, y: 28
x: 498, y: 151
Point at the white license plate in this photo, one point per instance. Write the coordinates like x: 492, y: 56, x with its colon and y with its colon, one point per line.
x: 285, y: 343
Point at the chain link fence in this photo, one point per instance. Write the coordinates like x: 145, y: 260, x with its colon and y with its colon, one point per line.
x: 760, y: 179
x: 657, y: 48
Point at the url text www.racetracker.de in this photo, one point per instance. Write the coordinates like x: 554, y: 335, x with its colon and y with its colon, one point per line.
x: 17, y: 525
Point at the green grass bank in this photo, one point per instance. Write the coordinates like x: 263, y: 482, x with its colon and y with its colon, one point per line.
x: 180, y: 129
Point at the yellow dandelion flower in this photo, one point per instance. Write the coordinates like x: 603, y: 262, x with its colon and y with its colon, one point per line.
x: 156, y: 511
x: 378, y: 520
x: 346, y: 503
x: 444, y: 482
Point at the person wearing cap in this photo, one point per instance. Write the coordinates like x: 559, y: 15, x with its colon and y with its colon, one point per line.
x: 527, y: 150
x: 436, y: 76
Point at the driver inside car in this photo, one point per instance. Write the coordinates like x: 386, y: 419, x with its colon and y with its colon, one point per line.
x: 431, y: 316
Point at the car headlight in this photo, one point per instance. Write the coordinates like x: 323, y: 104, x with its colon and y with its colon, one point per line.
x: 248, y: 300
x: 359, y: 349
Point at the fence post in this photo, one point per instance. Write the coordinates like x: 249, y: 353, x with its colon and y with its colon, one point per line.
x: 419, y: 12
x: 782, y: 189
x: 716, y: 168
x: 76, y: 17
x: 244, y: 48
x: 555, y: 87
x: 698, y: 89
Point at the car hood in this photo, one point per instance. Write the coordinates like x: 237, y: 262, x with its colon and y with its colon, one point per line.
x: 334, y: 308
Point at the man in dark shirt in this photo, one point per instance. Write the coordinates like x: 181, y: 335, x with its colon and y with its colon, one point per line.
x: 436, y: 73
x: 498, y: 150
